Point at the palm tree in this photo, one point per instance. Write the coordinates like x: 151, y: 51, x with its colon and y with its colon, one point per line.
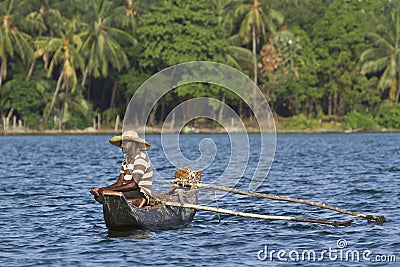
x: 256, y: 20
x: 13, y: 41
x: 74, y: 105
x: 102, y: 41
x: 130, y: 11
x: 224, y: 11
x: 41, y: 19
x: 235, y: 55
x: 65, y: 52
x: 288, y: 51
x: 384, y: 56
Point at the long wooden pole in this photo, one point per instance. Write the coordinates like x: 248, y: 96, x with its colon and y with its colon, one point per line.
x: 377, y: 219
x: 258, y: 216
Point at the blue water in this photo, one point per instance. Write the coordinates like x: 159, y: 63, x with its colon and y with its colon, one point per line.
x: 48, y: 217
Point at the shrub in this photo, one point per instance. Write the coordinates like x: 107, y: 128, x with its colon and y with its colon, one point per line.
x: 356, y: 120
x: 301, y: 122
x: 389, y: 115
x: 26, y: 100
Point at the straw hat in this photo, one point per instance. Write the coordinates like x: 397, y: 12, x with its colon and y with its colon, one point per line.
x: 130, y: 136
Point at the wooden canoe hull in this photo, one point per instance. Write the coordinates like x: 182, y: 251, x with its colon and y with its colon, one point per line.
x: 119, y: 214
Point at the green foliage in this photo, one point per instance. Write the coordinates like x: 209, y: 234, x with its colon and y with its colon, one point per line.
x: 180, y: 31
x: 389, y: 115
x: 339, y: 42
x: 356, y: 120
x: 383, y: 57
x: 293, y: 86
x: 103, y: 43
x: 77, y: 113
x: 13, y: 41
x: 256, y: 17
x: 130, y: 82
x: 111, y: 114
x: 301, y: 122
x: 75, y: 121
x: 302, y: 13
x: 327, y: 67
x: 26, y: 99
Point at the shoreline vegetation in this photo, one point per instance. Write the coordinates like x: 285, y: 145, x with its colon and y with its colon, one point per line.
x: 281, y: 128
x: 71, y: 67
x: 196, y: 131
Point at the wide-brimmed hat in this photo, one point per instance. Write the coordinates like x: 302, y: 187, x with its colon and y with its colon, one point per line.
x: 130, y: 136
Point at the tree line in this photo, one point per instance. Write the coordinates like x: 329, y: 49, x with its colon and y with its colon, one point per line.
x: 65, y: 62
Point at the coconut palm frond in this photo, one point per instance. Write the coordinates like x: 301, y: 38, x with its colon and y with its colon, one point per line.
x: 387, y: 78
x: 374, y: 66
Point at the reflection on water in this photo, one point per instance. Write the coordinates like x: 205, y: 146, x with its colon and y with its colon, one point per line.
x: 134, y: 234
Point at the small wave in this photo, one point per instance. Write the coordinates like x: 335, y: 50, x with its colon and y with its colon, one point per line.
x: 368, y: 191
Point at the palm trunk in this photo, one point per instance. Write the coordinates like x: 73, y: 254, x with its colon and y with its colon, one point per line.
x: 85, y: 75
x: 46, y: 60
x: 6, y: 119
x: 255, y: 70
x: 398, y: 87
x: 53, y: 101
x: 152, y: 116
x: 60, y: 119
x: 340, y: 111
x: 221, y: 109
x: 255, y: 55
x: 330, y: 104
x: 31, y: 68
x: 241, y: 115
x: 3, y: 70
x: 1, y: 77
x: 10, y: 112
x: 162, y: 117
x: 113, y: 95
x: 89, y: 90
x: 334, y: 104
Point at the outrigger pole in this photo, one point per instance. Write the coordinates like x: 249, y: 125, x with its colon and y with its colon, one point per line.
x: 378, y: 219
x: 258, y: 216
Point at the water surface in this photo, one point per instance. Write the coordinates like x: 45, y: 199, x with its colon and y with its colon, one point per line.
x: 48, y: 217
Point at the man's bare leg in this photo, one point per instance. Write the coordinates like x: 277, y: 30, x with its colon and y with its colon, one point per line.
x: 138, y: 202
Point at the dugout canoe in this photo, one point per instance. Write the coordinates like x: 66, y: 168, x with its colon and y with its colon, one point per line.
x: 119, y: 214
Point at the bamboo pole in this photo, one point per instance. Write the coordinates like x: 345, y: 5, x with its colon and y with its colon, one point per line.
x: 378, y: 219
x: 258, y: 216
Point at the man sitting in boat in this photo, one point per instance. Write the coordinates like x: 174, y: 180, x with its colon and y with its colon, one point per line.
x: 136, y: 175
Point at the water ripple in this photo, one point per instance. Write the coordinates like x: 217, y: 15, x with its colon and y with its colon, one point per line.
x: 47, y: 216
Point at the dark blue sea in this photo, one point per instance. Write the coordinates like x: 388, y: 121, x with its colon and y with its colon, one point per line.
x: 48, y: 217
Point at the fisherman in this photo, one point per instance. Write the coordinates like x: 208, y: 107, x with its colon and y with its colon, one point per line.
x: 136, y: 174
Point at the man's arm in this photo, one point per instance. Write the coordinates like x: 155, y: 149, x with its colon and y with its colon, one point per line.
x: 127, y: 187
x: 119, y: 182
x: 96, y: 191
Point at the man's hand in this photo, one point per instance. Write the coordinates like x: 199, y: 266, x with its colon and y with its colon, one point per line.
x: 96, y: 191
